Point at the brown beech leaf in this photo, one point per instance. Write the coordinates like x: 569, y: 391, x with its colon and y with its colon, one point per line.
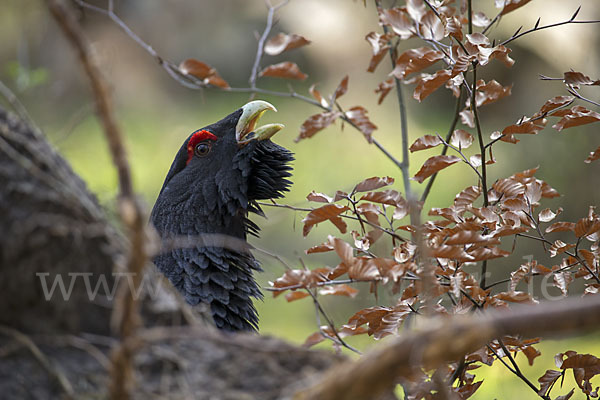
x: 548, y: 191
x: 286, y: 69
x: 533, y: 192
x: 461, y: 139
x: 339, y: 195
x: 430, y: 83
x: 313, y: 339
x: 431, y: 27
x: 562, y: 281
x: 490, y: 92
x: 453, y: 27
x: 203, y: 71
x: 466, y: 237
x: 358, y: 116
x: 560, y: 227
x: 319, y: 197
x: 594, y: 155
x: 390, y: 197
x: 317, y: 95
x: 591, y: 288
x: 381, y: 321
x: 297, y: 278
x: 373, y: 183
x: 316, y: 123
x: 475, y: 160
x: 295, y: 295
x: 510, y: 5
x: 467, y: 389
x: 554, y: 103
x: 467, y: 197
x: 576, y: 116
x: 341, y: 89
x: 321, y: 248
x: 588, y: 256
x: 455, y: 85
x: 379, y: 45
x: 343, y: 250
x: 196, y: 68
x: 478, y: 39
x: 515, y: 297
x: 559, y: 247
x: 585, y: 367
x: 451, y: 253
x: 515, y: 204
x: 546, y: 380
x: 478, y: 44
x: 505, y: 138
x: 527, y: 127
x: 586, y: 227
x: 400, y: 22
x: 416, y: 9
x: 487, y: 253
x: 415, y: 60
x: 509, y: 187
x: 577, y: 78
x: 384, y: 88
x: 480, y: 19
x: 425, y: 142
x: 433, y: 165
x: 499, y: 53
x: 547, y: 215
x: 523, y: 273
x: 462, y: 64
x: 467, y: 118
x: 282, y: 42
x: 217, y: 81
x: 363, y: 269
x: 329, y: 212
x: 339, y: 290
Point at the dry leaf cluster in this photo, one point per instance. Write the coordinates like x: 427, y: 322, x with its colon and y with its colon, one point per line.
x: 437, y: 266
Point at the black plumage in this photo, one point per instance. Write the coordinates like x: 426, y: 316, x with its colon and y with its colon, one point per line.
x: 217, y: 176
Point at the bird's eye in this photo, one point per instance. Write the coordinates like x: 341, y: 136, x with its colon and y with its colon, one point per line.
x: 203, y: 148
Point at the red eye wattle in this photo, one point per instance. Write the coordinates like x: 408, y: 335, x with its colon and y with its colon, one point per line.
x: 196, y: 141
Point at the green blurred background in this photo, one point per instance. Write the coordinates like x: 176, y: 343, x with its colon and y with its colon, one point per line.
x: 157, y: 114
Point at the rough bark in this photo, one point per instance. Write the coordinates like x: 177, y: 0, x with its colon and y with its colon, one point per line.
x: 50, y: 225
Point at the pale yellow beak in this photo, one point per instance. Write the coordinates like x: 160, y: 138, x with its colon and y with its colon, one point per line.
x: 251, y: 113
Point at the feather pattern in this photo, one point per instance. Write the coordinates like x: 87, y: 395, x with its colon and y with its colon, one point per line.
x: 208, y: 200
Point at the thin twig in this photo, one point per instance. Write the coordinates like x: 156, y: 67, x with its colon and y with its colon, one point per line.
x: 320, y: 311
x: 125, y: 311
x: 575, y: 93
x: 482, y: 149
x: 404, y: 165
x: 262, y: 40
x: 52, y: 370
x: 539, y: 28
x: 517, y: 370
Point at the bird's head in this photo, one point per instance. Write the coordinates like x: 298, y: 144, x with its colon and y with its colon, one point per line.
x: 230, y: 163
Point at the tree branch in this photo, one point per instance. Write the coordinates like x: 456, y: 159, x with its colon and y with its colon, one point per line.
x: 435, y: 343
x: 125, y: 311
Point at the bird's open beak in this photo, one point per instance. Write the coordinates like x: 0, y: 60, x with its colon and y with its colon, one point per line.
x: 246, y: 129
